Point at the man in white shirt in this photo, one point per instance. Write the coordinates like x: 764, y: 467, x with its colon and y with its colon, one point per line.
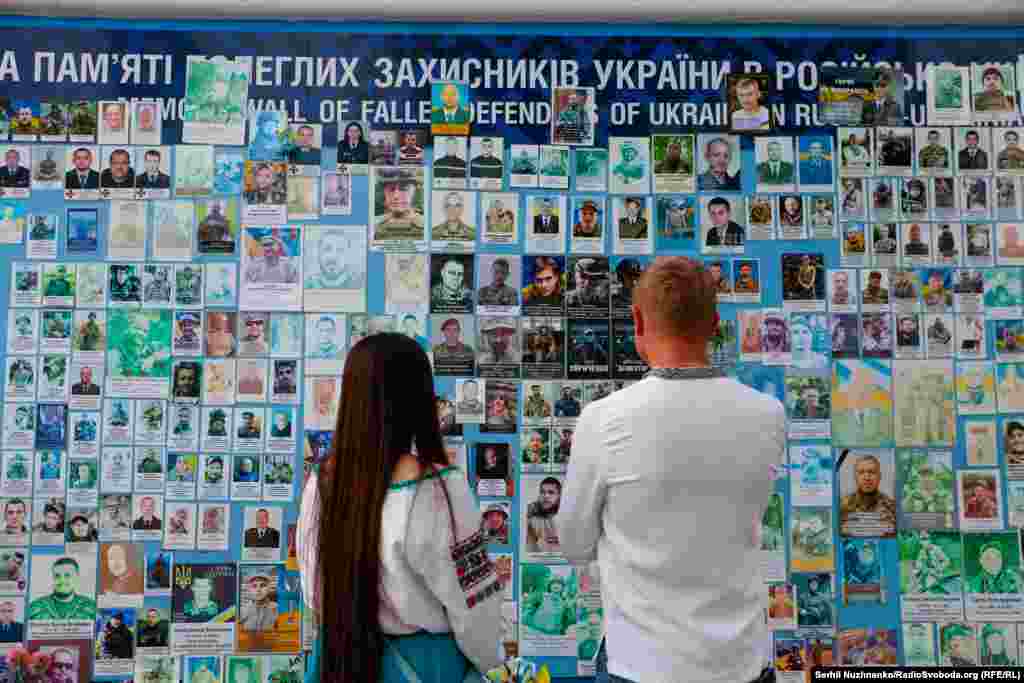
x: 665, y: 489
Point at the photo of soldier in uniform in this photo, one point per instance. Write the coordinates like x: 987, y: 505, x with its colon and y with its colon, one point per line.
x: 398, y: 201
x: 203, y: 593
x: 451, y: 280
x: 867, y: 506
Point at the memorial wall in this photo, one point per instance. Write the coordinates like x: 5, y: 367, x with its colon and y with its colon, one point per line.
x: 198, y: 220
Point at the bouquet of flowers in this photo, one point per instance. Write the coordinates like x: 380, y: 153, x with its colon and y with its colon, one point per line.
x: 26, y: 667
x: 517, y: 670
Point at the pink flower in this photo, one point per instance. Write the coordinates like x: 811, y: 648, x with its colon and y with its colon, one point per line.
x: 39, y: 663
x: 17, y: 656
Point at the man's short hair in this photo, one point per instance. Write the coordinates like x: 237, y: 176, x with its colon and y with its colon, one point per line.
x: 677, y: 293
x: 14, y: 501
x: 720, y: 201
x: 868, y: 458
x: 1014, y: 426
x: 552, y: 481
x: 747, y: 82
x: 153, y: 153
x: 717, y: 141
x: 66, y: 560
x: 992, y: 71
x: 501, y: 262
x: 542, y: 263
x: 449, y: 322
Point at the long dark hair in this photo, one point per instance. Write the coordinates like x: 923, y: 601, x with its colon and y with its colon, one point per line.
x: 387, y: 406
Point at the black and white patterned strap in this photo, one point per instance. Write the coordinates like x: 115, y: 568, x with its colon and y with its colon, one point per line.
x: 685, y: 373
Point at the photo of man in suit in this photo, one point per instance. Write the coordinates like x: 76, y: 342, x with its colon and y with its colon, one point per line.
x: 119, y: 174
x: 886, y: 110
x: 717, y: 156
x: 972, y: 157
x: 12, y: 173
x: 153, y: 178
x: 633, y: 225
x: 723, y: 232
x: 85, y: 386
x: 775, y: 170
x: 262, y: 535
x: 11, y: 631
x: 816, y: 169
x: 147, y: 520
x: 83, y: 176
x: 546, y: 222
x: 452, y: 110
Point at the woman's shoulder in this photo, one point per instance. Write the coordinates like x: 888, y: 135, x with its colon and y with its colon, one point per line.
x: 409, y: 472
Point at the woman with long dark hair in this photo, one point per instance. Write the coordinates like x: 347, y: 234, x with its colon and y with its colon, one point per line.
x: 394, y: 562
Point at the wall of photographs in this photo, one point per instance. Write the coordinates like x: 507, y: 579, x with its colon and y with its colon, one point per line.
x: 190, y: 244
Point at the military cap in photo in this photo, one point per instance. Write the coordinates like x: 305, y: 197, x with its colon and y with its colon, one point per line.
x: 79, y: 517
x: 254, y: 318
x: 188, y: 317
x: 494, y: 324
x: 402, y: 176
x: 590, y: 267
x: 494, y: 507
x: 589, y: 204
x: 259, y: 575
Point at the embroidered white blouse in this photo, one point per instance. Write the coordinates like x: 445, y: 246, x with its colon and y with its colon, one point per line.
x: 430, y: 582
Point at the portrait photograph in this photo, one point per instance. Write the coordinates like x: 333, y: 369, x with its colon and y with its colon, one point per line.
x: 775, y: 164
x: 203, y: 593
x: 749, y: 97
x: 867, y: 482
x: 304, y: 146
x: 56, y: 576
x: 486, y: 163
x: 994, y: 92
x: 146, y: 123
x: 816, y: 163
x: 450, y: 162
x: 722, y: 231
x: 630, y: 165
x: 193, y: 170
x: 353, y: 144
x: 336, y: 194
x: 449, y: 108
x: 114, y: 123
x: 398, y: 210
x: 574, y: 116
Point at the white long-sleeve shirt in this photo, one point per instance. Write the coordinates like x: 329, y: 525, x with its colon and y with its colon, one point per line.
x: 667, y: 481
x: 429, y: 582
